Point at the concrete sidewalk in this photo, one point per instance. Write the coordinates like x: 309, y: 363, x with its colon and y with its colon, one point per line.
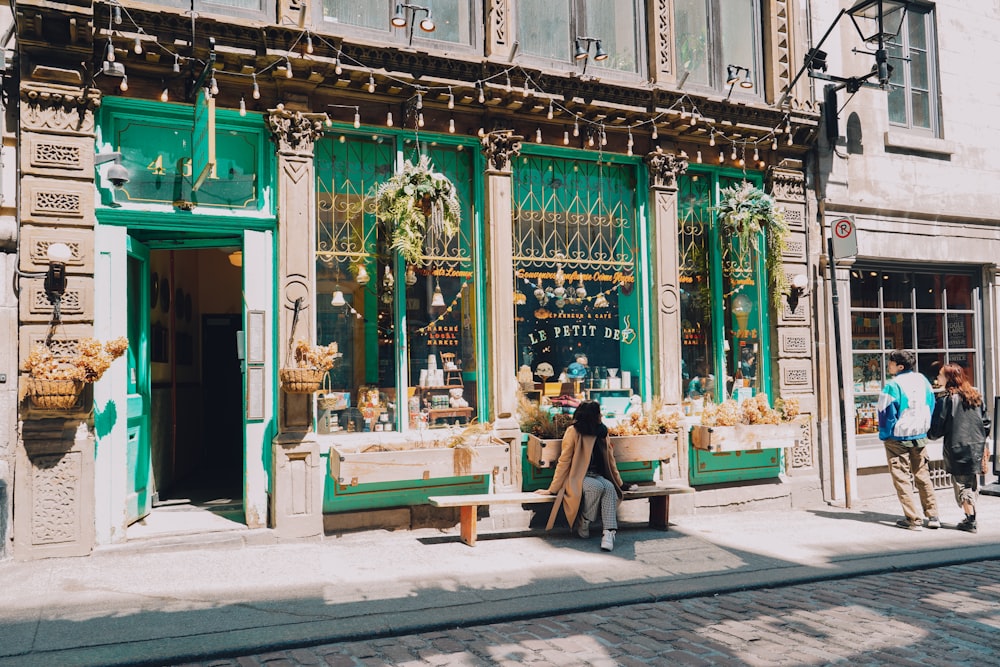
x: 213, y: 595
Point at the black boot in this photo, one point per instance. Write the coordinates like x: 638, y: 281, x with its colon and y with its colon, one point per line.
x: 968, y: 524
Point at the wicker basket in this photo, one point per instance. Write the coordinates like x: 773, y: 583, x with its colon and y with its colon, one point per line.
x: 300, y: 380
x: 54, y: 394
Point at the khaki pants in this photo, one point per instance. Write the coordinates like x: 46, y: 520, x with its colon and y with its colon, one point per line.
x: 905, y: 459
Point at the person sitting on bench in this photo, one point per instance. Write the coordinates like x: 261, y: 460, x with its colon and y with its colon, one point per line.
x: 586, y: 477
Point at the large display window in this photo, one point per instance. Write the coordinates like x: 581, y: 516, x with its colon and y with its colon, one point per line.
x: 934, y: 314
x: 407, y: 330
x: 577, y: 309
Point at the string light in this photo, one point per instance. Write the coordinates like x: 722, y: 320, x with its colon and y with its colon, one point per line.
x: 420, y: 100
x: 655, y: 135
x: 451, y: 99
x: 371, y: 83
x: 698, y: 157
x: 722, y: 156
x: 527, y: 87
x: 508, y: 81
x: 694, y: 119
x: 117, y: 14
x: 756, y: 154
x: 243, y: 105
x: 590, y: 139
x: 733, y: 156
x: 357, y: 117
x: 138, y: 46
x: 538, y: 136
x: 288, y: 68
x: 604, y: 137
x: 213, y: 86
x: 388, y: 119
x: 774, y: 144
x: 482, y: 93
x: 337, y: 67
x: 309, y: 43
x: 711, y: 139
x: 328, y: 121
x: 576, y: 127
x: 451, y: 125
x: 111, y: 52
x: 165, y: 95
x: 256, y: 89
x: 420, y: 119
x: 177, y: 64
x: 481, y: 132
x: 123, y: 86
x: 566, y: 138
x: 790, y: 140
x: 550, y: 113
x: 630, y: 141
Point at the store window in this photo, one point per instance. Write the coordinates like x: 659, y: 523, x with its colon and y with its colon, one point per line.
x: 913, y: 88
x: 407, y: 331
x: 453, y: 20
x: 711, y: 35
x: 933, y: 314
x: 575, y: 261
x: 550, y: 30
x: 723, y: 300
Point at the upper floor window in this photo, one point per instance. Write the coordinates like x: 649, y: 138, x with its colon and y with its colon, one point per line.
x: 448, y: 21
x: 260, y: 10
x: 552, y: 30
x: 712, y: 35
x: 913, y: 86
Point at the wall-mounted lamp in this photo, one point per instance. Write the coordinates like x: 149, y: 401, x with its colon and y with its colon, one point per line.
x: 583, y: 53
x: 116, y: 174
x: 55, y: 278
x: 733, y: 77
x: 406, y: 14
x: 798, y: 289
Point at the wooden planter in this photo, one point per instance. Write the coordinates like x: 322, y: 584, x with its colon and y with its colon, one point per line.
x: 744, y: 437
x: 350, y: 468
x: 300, y: 380
x: 628, y: 448
x: 54, y: 394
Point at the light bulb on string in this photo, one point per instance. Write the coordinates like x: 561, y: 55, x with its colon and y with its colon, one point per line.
x: 116, y: 13
x: 482, y: 93
x: 255, y: 91
x: 165, y: 95
x: 566, y: 138
x: 711, y: 139
x: 774, y: 144
x: 631, y: 142
x: 694, y: 119
x: 576, y: 127
x: 722, y: 156
x: 590, y: 139
x: 357, y: 117
x: 527, y: 87
x: 243, y: 106
x: 371, y: 83
x: 123, y: 86
x: 756, y: 154
x: 733, y: 156
x: 654, y: 135
x: 604, y: 137
x: 481, y: 132
x: 288, y: 68
x: 420, y: 119
x: 451, y: 99
x: 698, y: 157
x: 538, y: 136
x: 451, y: 125
x: 388, y: 119
x: 790, y: 140
x: 213, y: 86
x: 309, y: 43
x: 110, y: 57
x: 507, y: 86
x: 328, y: 121
x: 550, y: 113
x: 177, y: 64
x: 337, y: 67
x: 420, y: 100
x: 138, y: 46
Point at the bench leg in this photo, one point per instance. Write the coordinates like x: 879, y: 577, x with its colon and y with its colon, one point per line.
x: 659, y: 512
x: 467, y: 523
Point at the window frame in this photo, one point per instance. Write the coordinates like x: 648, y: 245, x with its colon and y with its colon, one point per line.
x: 903, y: 66
x: 716, y: 64
x: 266, y: 13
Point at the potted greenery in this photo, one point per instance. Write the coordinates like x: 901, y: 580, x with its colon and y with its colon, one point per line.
x: 750, y: 425
x: 745, y: 211
x: 311, y: 364
x: 55, y: 381
x: 415, y: 202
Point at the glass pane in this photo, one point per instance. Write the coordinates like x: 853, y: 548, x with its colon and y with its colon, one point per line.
x: 921, y: 103
x: 930, y: 365
x: 691, y: 38
x: 967, y: 360
x: 697, y: 350
x: 452, y: 20
x: 868, y: 372
x: 918, y: 70
x: 543, y: 28
x: 865, y: 331
x: 614, y: 23
x: 959, y: 292
x: 916, y: 29
x: 898, y: 331
x: 865, y: 286
x: 363, y: 14
x: 929, y: 333
x: 929, y: 290
x: 897, y: 104
x: 897, y: 289
x: 960, y: 332
x: 866, y: 414
x: 238, y: 4
x: 738, y: 43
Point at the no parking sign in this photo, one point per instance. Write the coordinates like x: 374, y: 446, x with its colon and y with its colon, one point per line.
x: 845, y: 238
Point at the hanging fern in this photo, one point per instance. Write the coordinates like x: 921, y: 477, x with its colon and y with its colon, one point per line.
x: 745, y: 211
x: 417, y: 202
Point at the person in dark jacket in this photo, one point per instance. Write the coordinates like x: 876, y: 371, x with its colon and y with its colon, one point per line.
x: 958, y: 417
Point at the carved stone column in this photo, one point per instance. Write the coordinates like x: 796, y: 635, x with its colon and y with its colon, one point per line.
x: 54, y: 457
x: 501, y: 29
x: 297, y: 489
x: 664, y: 168
x: 663, y: 65
x: 499, y: 148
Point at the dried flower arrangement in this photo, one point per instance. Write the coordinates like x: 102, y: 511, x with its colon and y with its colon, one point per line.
x: 653, y: 420
x: 311, y: 364
x: 538, y: 422
x: 745, y: 211
x: 755, y: 410
x: 417, y: 201
x: 55, y: 382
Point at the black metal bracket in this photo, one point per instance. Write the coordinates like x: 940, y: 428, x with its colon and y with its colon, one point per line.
x: 199, y: 83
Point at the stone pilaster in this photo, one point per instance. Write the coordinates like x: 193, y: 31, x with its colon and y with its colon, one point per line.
x: 499, y: 148
x: 294, y: 134
x: 500, y: 29
x: 663, y: 66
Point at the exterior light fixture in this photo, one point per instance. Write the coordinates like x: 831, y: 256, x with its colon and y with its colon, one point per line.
x: 405, y: 15
x: 582, y: 53
x: 55, y: 278
x: 733, y: 77
x: 798, y: 289
x: 117, y: 174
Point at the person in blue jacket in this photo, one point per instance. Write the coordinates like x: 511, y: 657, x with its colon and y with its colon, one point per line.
x: 904, y: 417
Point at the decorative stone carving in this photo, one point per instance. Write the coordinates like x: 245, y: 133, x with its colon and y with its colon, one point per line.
x: 795, y: 246
x: 58, y: 156
x: 795, y: 376
x: 662, y: 39
x: 57, y: 201
x: 64, y: 338
x: 499, y: 15
x: 294, y: 131
x: 802, y: 452
x: 794, y: 342
x: 35, y: 242
x: 777, y: 46
x: 787, y: 184
x: 664, y: 168
x: 801, y: 315
x: 76, y: 306
x: 500, y: 147
x: 58, y: 108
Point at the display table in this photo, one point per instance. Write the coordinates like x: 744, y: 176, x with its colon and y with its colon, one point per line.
x: 434, y: 414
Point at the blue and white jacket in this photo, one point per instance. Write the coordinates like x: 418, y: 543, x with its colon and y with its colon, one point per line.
x: 904, y: 407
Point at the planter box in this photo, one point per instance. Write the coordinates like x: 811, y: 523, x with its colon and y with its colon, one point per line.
x: 628, y: 448
x: 350, y: 468
x: 744, y: 437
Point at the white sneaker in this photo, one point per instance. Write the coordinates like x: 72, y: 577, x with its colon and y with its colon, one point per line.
x: 608, y: 540
x: 583, y: 528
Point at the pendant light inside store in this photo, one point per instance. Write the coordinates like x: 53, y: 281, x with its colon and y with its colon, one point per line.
x: 437, y: 301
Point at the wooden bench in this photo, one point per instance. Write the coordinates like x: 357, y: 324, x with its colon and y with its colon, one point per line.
x: 659, y: 505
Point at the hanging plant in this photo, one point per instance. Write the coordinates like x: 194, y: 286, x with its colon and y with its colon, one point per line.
x: 417, y: 202
x: 745, y: 211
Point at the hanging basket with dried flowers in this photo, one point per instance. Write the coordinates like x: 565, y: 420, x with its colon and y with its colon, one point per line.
x: 745, y: 211
x: 55, y: 381
x: 311, y: 364
x: 417, y: 202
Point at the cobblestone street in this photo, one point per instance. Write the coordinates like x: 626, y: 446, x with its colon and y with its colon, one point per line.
x: 947, y: 616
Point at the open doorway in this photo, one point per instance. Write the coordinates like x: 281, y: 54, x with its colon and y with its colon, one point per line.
x: 196, y: 434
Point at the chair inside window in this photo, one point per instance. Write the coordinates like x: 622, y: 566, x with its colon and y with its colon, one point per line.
x: 452, y: 373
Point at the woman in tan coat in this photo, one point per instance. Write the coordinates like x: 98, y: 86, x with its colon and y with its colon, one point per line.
x: 587, y: 475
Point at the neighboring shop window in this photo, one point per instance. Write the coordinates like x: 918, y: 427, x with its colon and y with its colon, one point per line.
x: 364, y: 289
x: 712, y: 35
x: 575, y: 261
x: 550, y: 30
x: 723, y: 301
x: 451, y: 19
x: 934, y: 314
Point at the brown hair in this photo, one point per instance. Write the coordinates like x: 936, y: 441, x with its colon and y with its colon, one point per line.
x: 955, y: 383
